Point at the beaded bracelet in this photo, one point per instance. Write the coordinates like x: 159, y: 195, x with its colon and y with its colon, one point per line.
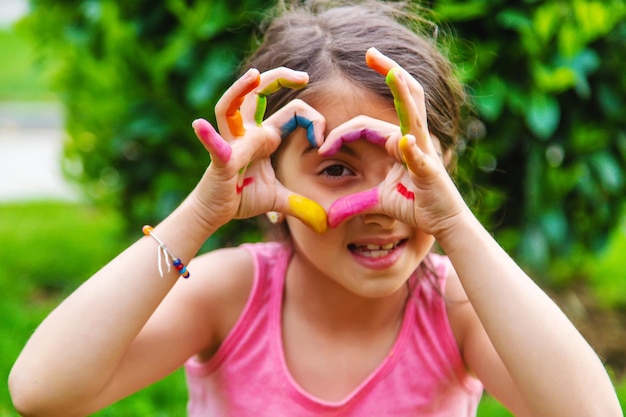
x: 164, y: 255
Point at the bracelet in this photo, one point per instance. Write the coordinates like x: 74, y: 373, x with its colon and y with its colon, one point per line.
x: 164, y: 255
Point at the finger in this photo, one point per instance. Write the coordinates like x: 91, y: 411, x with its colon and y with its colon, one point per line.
x: 414, y: 158
x: 293, y: 79
x: 219, y: 149
x: 227, y: 107
x: 353, y: 205
x: 379, y: 62
x: 297, y: 114
x: 404, y: 105
x: 361, y: 127
x: 304, y: 209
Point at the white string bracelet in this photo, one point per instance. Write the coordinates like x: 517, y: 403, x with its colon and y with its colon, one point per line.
x: 164, y: 256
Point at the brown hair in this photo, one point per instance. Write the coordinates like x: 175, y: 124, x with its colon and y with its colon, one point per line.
x: 329, y: 39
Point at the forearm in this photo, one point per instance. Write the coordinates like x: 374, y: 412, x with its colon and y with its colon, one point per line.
x: 555, y: 369
x: 76, y: 350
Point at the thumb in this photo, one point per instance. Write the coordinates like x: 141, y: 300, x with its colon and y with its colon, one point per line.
x: 304, y: 209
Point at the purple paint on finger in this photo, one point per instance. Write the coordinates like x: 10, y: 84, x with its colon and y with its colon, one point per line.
x: 351, y: 205
x: 369, y: 135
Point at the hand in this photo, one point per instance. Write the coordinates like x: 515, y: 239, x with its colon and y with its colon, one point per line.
x: 417, y: 190
x: 240, y: 181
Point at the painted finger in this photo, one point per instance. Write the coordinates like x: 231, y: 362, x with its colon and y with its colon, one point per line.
x: 298, y: 114
x: 304, y: 209
x: 352, y: 205
x: 414, y: 158
x: 229, y: 104
x: 404, y: 107
x: 379, y: 62
x: 219, y: 149
x: 294, y: 83
x: 361, y: 127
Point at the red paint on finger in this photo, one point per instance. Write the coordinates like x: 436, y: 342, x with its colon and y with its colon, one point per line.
x: 405, y: 192
x: 246, y: 181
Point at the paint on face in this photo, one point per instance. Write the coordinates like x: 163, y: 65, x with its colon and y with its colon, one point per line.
x: 403, y: 114
x: 405, y: 192
x: 351, y: 205
x: 294, y: 123
x: 367, y: 134
x: 309, y: 212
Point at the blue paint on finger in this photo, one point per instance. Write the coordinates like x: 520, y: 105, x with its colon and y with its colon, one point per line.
x: 299, y: 121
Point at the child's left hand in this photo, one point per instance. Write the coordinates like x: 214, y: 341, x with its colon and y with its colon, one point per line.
x: 417, y: 190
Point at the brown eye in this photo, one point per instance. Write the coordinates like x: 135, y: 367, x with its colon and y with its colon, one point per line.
x: 336, y: 171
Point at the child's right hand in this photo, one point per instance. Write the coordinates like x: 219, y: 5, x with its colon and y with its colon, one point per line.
x: 240, y: 181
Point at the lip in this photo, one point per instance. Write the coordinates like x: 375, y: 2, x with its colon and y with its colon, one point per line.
x: 380, y: 262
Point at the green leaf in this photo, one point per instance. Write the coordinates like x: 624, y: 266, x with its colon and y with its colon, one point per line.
x: 543, y: 115
x: 608, y: 171
x: 491, y: 97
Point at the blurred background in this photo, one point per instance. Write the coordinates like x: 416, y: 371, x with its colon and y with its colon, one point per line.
x: 97, y: 99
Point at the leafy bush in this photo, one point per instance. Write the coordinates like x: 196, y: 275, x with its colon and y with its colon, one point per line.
x: 549, y: 86
x: 548, y: 142
x: 132, y: 77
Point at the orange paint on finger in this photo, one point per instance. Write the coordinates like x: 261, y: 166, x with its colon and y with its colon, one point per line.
x: 309, y: 212
x: 375, y: 64
x: 235, y: 124
x: 233, y: 115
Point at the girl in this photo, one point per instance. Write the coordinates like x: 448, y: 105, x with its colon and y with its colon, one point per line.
x: 351, y: 313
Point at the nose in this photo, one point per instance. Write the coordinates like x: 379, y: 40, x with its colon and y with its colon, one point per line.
x: 382, y: 220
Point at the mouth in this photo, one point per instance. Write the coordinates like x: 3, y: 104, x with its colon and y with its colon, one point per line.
x: 373, y: 250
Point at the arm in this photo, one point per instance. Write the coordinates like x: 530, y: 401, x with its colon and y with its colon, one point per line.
x: 522, y: 340
x: 513, y: 336
x: 126, y: 327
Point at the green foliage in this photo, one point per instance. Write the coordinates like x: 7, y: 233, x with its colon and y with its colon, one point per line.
x: 20, y: 77
x: 55, y: 247
x: 548, y: 143
x: 132, y: 77
x: 549, y: 87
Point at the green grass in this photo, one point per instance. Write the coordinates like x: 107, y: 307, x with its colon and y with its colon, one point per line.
x: 48, y: 249
x: 21, y: 77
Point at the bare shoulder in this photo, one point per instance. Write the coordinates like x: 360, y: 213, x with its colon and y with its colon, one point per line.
x: 461, y: 314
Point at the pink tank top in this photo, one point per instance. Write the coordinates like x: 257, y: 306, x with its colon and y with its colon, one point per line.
x: 423, y: 374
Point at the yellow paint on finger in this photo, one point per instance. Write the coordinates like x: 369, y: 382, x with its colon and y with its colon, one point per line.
x: 309, y: 212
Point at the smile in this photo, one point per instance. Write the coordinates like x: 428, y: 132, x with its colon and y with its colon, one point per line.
x: 371, y: 250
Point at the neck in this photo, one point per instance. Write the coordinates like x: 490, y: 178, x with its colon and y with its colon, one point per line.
x: 324, y: 303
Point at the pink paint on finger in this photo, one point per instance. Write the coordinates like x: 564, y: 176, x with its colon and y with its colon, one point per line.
x: 369, y: 135
x: 215, y: 144
x: 351, y: 205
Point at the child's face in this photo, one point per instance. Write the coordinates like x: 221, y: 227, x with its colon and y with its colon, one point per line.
x: 355, y: 254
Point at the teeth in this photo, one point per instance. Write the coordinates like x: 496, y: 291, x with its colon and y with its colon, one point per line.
x: 386, y: 246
